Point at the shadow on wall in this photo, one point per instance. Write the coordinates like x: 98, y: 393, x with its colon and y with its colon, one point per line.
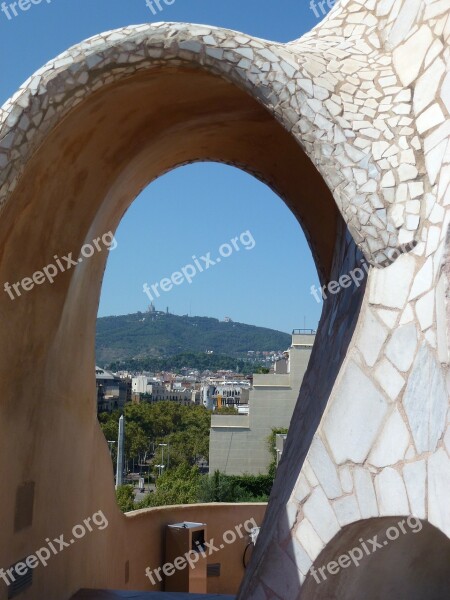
x: 339, y: 317
x: 388, y: 558
x: 395, y: 558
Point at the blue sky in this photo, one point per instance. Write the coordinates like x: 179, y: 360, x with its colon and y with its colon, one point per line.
x: 194, y: 209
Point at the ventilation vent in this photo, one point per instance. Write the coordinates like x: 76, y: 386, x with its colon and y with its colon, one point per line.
x: 22, y: 582
x: 23, y: 517
x: 213, y: 570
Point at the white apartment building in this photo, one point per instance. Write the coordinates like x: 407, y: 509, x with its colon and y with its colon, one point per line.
x: 139, y: 384
x: 216, y: 393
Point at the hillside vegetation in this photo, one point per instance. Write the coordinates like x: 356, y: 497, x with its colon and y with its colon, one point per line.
x: 143, y: 336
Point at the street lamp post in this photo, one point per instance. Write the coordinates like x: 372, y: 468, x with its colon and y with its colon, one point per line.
x: 160, y: 467
x: 111, y: 446
x: 120, y: 453
x: 148, y: 465
x: 168, y: 453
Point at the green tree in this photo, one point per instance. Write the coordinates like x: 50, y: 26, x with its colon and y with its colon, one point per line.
x: 220, y: 487
x: 109, y: 423
x: 227, y: 410
x: 259, y: 370
x: 185, y: 430
x: 178, y: 486
x: 271, y: 447
x: 125, y: 498
x: 136, y: 442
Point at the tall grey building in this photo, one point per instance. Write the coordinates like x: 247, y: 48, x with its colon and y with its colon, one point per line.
x: 238, y: 443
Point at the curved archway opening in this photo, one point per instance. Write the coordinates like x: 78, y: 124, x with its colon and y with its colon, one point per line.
x: 77, y: 186
x: 84, y: 176
x: 390, y: 557
x: 169, y: 345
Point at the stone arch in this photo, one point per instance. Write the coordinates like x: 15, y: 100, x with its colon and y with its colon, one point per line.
x: 68, y: 180
x: 76, y: 147
x: 145, y: 56
x: 393, y: 557
x: 291, y: 81
x: 379, y: 448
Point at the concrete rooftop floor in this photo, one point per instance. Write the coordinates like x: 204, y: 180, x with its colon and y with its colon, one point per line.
x: 116, y: 595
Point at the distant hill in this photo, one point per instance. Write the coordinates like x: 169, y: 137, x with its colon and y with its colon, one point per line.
x: 159, y: 335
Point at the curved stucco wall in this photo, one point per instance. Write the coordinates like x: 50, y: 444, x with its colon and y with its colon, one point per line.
x: 365, y: 99
x: 79, y: 169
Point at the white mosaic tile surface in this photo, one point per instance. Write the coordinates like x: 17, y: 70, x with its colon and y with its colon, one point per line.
x: 367, y: 96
